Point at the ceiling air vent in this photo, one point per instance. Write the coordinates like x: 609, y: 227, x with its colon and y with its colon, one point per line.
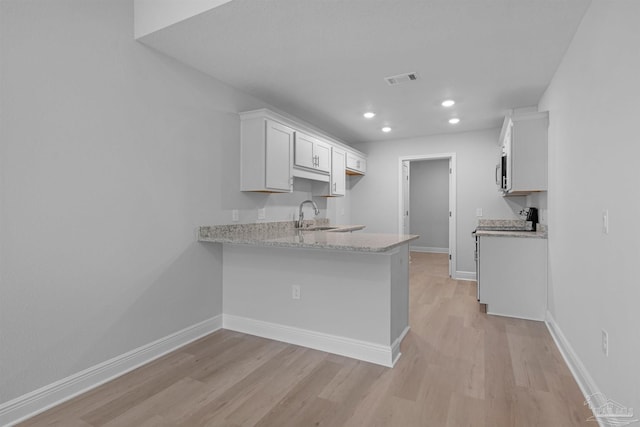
x: 401, y: 78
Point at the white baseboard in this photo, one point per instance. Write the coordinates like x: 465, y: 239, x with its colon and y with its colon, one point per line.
x: 395, y: 347
x: 428, y: 249
x: 37, y: 401
x: 587, y: 385
x: 465, y: 275
x: 362, y: 350
x: 513, y: 316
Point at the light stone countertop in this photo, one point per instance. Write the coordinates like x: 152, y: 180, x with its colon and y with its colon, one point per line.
x: 284, y: 234
x: 540, y: 234
x: 510, y: 228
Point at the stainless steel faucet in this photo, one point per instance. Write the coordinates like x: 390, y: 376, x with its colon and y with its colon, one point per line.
x: 301, y: 214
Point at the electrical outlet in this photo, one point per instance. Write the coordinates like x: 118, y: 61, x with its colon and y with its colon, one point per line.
x: 605, y: 342
x: 235, y: 215
x: 295, y: 291
x: 605, y: 221
x: 262, y: 213
x: 478, y: 212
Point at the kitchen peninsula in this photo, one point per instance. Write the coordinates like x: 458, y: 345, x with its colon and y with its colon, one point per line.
x: 332, y: 290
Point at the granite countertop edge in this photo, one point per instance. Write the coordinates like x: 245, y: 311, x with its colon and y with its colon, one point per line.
x: 285, y: 235
x: 302, y: 245
x: 510, y: 228
x: 513, y: 233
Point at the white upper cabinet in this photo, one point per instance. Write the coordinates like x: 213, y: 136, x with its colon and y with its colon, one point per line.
x: 338, y: 175
x: 523, y: 154
x: 337, y: 184
x: 266, y: 156
x: 312, y: 153
x: 274, y: 149
x: 356, y: 164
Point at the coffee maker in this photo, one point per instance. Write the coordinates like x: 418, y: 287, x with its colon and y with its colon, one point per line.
x: 532, y: 215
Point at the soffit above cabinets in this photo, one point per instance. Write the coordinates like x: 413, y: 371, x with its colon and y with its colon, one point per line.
x: 325, y: 62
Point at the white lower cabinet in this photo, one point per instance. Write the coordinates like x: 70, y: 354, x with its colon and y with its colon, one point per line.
x: 513, y: 273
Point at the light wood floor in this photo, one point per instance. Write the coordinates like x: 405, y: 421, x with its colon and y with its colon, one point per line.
x: 459, y: 367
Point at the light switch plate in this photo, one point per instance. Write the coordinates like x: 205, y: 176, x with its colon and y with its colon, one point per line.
x: 262, y: 214
x: 478, y: 212
x: 235, y: 215
x: 605, y: 221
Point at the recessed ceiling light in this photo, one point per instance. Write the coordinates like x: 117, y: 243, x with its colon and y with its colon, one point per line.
x: 369, y: 115
x: 386, y: 129
x: 448, y: 103
x: 454, y: 121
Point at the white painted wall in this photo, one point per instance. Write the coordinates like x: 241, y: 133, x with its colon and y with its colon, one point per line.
x: 111, y: 155
x: 430, y: 203
x: 593, y: 165
x: 374, y: 200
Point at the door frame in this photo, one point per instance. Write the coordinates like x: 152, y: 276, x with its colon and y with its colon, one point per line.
x: 406, y: 205
x: 452, y: 201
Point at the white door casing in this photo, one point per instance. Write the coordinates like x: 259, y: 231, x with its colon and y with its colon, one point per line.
x: 452, y: 199
x: 406, y: 189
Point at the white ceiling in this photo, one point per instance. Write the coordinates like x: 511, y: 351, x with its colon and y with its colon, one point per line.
x: 324, y: 61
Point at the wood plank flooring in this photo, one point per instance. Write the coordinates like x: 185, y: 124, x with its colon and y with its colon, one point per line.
x: 459, y: 367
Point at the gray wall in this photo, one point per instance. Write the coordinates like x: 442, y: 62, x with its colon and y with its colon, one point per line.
x: 111, y: 156
x: 374, y: 200
x: 430, y: 203
x: 593, y: 166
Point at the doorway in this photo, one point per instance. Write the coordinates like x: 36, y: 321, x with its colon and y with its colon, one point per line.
x: 448, y: 161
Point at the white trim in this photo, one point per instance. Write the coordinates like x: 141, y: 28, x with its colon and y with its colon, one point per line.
x: 30, y: 404
x: 511, y: 315
x: 587, y: 385
x: 465, y: 275
x: 428, y: 249
x: 395, y: 347
x: 362, y: 350
x: 453, y: 223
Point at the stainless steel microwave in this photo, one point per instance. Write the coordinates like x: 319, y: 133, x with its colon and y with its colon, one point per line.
x: 503, y: 168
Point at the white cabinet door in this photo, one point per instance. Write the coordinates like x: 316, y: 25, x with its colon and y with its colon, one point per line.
x: 524, y: 145
x: 312, y: 153
x: 356, y: 165
x: 514, y: 276
x: 338, y: 175
x: 529, y: 154
x: 266, y: 151
x: 304, y: 156
x: 322, y: 153
x: 279, y: 140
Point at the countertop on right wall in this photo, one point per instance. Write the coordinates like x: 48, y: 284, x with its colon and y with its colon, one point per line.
x: 510, y: 228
